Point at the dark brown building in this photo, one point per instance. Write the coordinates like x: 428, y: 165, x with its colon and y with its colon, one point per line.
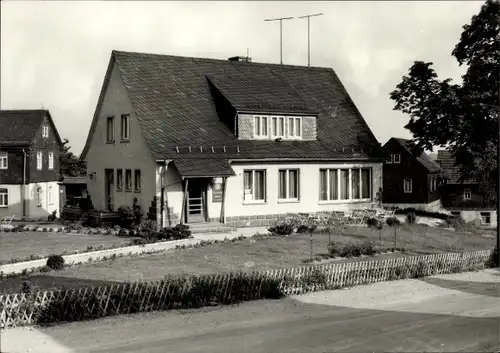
x: 29, y: 164
x: 409, y: 180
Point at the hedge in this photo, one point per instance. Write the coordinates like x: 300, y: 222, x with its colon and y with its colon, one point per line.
x: 173, y: 292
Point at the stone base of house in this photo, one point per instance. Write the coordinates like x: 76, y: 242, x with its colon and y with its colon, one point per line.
x: 434, y: 206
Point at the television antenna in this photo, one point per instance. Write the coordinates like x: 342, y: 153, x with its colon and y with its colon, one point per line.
x: 281, y: 19
x: 309, y: 35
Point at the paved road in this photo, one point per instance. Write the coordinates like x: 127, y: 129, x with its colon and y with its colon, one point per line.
x: 442, y: 314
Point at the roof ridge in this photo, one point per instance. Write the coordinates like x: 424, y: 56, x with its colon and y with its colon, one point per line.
x: 135, y: 53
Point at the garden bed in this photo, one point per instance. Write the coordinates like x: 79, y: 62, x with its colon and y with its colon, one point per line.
x: 262, y: 253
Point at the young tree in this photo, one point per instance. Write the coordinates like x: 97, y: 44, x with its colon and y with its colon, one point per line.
x: 71, y: 165
x: 462, y: 117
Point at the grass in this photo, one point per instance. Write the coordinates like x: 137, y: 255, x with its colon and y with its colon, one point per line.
x: 22, y: 245
x: 260, y: 253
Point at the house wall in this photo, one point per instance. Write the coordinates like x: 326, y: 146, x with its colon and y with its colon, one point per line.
x: 15, y: 206
x: 475, y: 215
x: 246, y: 127
x: 14, y: 172
x: 236, y: 208
x: 133, y: 154
x: 434, y: 206
x: 409, y: 168
x: 49, y: 204
x: 45, y: 145
x: 453, y: 196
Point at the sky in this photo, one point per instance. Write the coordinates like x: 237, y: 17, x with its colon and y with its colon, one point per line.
x: 54, y: 54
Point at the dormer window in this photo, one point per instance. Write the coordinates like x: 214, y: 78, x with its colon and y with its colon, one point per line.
x: 278, y: 126
x: 45, y: 131
x: 260, y: 126
x: 295, y: 127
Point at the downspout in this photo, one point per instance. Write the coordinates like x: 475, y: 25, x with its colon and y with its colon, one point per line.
x: 23, y: 189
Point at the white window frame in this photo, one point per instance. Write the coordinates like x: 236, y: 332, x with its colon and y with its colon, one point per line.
x: 137, y: 189
x: 483, y: 215
x: 252, y: 193
x: 261, y: 133
x: 45, y: 131
x: 4, y: 197
x: 39, y: 160
x: 389, y: 160
x: 398, y: 161
x: 338, y: 171
x: 39, y: 194
x: 406, y: 182
x: 125, y: 133
x: 287, y: 181
x: 4, y: 160
x: 292, y: 120
x: 431, y: 186
x: 279, y: 120
x: 110, y: 130
x: 467, y: 194
x: 49, y: 195
x: 51, y: 160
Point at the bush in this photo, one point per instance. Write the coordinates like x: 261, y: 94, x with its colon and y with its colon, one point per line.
x: 55, y: 262
x: 456, y: 222
x: 126, y: 216
x: 351, y: 250
x: 52, y: 217
x: 334, y: 249
x: 374, y: 222
x: 422, y: 213
x: 122, y: 233
x: 392, y: 221
x: 368, y: 249
x: 180, y: 231
x: 411, y: 217
x: 282, y: 229
x: 137, y: 211
x: 493, y: 260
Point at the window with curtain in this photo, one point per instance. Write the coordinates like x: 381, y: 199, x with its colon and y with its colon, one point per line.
x: 288, y: 184
x: 344, y: 184
x: 255, y: 185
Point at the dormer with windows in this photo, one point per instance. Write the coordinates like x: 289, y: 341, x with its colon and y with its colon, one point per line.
x: 259, y: 109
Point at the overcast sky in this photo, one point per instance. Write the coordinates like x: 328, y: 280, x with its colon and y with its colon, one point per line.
x: 55, y: 54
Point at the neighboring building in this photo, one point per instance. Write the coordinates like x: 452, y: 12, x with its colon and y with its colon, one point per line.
x: 72, y: 190
x: 29, y: 164
x: 227, y: 140
x: 409, y: 180
x: 463, y: 198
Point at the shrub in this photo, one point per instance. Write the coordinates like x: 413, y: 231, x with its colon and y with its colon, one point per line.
x: 334, y: 249
x: 55, y: 262
x: 411, y: 217
x: 45, y: 269
x: 351, y: 250
x: 123, y: 233
x: 392, y: 221
x: 374, y: 222
x: 52, y: 217
x: 368, y: 248
x: 456, y: 222
x: 282, y: 229
x: 493, y: 260
x: 137, y: 211
x: 126, y: 216
x: 180, y: 231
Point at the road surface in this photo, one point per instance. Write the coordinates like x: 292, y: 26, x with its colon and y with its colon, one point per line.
x: 449, y: 313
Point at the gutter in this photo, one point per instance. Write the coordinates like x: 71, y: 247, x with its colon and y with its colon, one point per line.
x: 374, y: 160
x: 23, y: 192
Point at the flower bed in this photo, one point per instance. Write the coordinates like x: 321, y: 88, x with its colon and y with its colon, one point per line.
x: 45, y: 307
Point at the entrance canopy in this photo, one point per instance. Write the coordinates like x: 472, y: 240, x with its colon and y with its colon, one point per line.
x: 203, y: 167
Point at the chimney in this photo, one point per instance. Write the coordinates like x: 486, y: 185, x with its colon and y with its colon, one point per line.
x: 241, y: 59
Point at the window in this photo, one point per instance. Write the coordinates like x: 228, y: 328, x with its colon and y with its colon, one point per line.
x: 397, y: 159
x: 137, y: 180
x: 431, y: 185
x: 467, y: 194
x: 288, y: 184
x: 4, y: 197
x: 255, y: 185
x: 328, y: 184
x: 260, y: 126
x: 128, y: 179
x: 408, y: 186
x: 455, y: 213
x: 125, y: 128
x: 119, y: 179
x: 49, y: 192
x: 45, y: 131
x: 334, y: 184
x: 485, y: 217
x: 51, y: 160
x: 294, y: 127
x: 278, y: 126
x: 110, y: 129
x: 389, y: 159
x: 3, y: 160
x: 39, y: 161
x: 39, y: 195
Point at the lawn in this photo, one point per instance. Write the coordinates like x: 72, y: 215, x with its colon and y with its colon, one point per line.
x: 261, y: 253
x: 23, y: 244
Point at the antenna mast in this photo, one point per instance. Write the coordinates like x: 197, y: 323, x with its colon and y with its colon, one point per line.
x: 281, y: 33
x: 309, y: 35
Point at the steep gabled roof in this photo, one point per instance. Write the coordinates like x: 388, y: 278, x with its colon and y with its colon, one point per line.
x: 173, y: 103
x: 447, y: 162
x: 19, y: 127
x: 423, y: 159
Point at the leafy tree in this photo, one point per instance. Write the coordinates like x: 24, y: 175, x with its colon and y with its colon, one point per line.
x: 71, y: 165
x: 461, y: 117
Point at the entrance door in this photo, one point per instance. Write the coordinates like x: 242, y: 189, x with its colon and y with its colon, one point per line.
x: 108, y: 188
x: 196, y: 201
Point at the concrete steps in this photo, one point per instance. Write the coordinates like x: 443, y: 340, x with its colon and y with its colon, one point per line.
x: 197, y: 228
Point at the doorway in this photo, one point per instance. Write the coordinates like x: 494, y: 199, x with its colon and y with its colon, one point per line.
x: 108, y: 188
x: 196, y: 201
